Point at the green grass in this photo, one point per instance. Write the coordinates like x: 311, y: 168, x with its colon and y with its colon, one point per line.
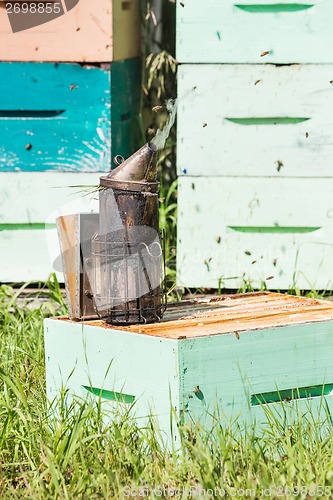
x: 77, y: 456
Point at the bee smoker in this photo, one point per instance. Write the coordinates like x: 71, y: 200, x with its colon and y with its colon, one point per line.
x: 127, y: 253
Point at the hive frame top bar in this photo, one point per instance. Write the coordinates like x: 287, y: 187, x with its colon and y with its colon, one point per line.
x: 230, y: 314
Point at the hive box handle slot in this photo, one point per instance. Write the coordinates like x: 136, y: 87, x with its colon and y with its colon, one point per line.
x: 291, y: 394
x: 110, y: 395
x: 274, y: 229
x: 274, y: 120
x: 274, y: 8
x: 27, y: 113
x: 25, y: 226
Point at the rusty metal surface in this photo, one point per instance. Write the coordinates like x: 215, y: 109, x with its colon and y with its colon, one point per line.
x: 128, y: 255
x: 137, y: 173
x: 231, y: 314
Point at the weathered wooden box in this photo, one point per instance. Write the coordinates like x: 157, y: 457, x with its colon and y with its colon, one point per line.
x: 29, y: 205
x: 254, y: 32
x: 251, y: 120
x: 60, y: 115
x: 85, y: 31
x: 256, y: 177
x: 59, y: 128
x: 235, y: 354
x: 54, y: 117
x: 234, y: 231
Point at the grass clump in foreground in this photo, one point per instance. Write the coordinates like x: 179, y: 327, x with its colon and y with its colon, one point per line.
x: 77, y: 456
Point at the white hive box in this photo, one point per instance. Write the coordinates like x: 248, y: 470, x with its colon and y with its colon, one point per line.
x: 256, y: 176
x: 29, y: 245
x: 225, y: 31
x: 251, y: 120
x: 229, y: 354
x: 237, y: 230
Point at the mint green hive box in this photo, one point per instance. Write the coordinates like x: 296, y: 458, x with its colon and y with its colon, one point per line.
x: 235, y: 354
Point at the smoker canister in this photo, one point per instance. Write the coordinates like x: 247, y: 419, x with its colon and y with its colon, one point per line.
x: 127, y: 253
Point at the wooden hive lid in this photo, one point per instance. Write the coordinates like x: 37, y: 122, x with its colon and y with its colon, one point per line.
x: 232, y: 314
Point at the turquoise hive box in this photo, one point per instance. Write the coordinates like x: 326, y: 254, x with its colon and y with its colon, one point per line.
x: 60, y: 125
x: 234, y: 355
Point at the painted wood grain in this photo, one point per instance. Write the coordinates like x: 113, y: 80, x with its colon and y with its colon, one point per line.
x: 212, y: 251
x: 126, y: 29
x: 252, y: 120
x: 30, y: 197
x: 29, y: 206
x: 125, y: 89
x: 90, y: 32
x: 226, y: 314
x: 235, y: 32
x: 54, y: 117
x: 25, y: 255
x: 69, y: 237
x: 194, y: 376
x: 126, y: 123
x: 75, y: 234
x: 229, y: 370
x: 78, y: 355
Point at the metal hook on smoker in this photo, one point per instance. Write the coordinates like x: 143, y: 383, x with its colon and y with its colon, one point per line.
x: 149, y: 249
x: 118, y: 160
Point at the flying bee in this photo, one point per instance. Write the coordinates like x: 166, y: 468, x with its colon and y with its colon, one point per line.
x: 264, y: 53
x: 72, y: 87
x: 279, y: 165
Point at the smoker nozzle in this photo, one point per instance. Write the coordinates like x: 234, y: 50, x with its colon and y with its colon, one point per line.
x: 137, y: 173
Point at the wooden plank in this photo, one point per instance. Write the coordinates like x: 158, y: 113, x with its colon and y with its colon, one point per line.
x: 65, y: 128
x: 125, y: 89
x: 25, y: 255
x: 102, y: 31
x: 75, y: 233
x: 252, y: 120
x: 228, y: 32
x: 30, y: 197
x: 124, y: 363
x: 68, y: 235
x: 213, y: 252
x: 30, y: 204
x: 228, y: 370
x: 126, y: 29
x: 126, y: 137
x: 235, y: 316
x: 126, y: 126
